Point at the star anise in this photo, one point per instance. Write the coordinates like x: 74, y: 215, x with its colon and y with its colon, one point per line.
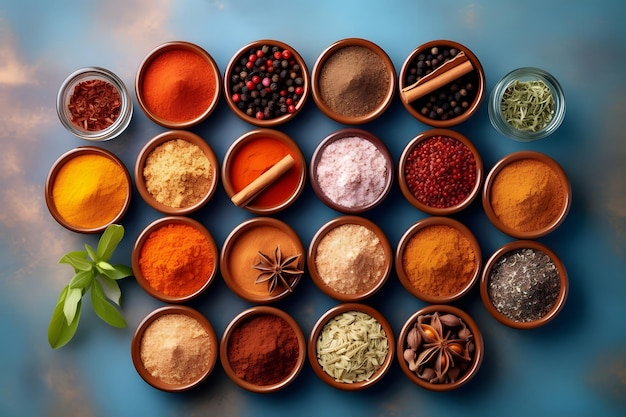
x: 275, y: 270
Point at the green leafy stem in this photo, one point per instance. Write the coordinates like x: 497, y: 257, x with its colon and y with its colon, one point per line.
x: 92, y: 273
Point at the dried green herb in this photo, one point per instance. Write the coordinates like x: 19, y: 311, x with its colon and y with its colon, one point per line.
x: 528, y: 105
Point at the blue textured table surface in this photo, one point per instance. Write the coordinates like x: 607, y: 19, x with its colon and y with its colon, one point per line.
x: 574, y: 366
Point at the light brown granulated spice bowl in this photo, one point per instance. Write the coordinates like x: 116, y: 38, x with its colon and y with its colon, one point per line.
x: 317, y: 334
x: 433, y: 256
x: 203, y: 281
x: 273, y: 353
x: 167, y: 352
x: 349, y: 259
x: 358, y: 97
x: 157, y: 198
x: 534, y: 204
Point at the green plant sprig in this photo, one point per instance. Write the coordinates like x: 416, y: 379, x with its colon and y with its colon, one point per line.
x: 93, y: 273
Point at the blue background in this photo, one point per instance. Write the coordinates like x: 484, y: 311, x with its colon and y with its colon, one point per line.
x: 576, y: 365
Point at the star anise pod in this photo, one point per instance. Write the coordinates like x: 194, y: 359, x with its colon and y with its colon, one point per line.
x: 275, y: 270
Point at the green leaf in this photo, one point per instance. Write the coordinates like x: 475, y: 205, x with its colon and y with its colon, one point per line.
x: 111, y: 289
x: 109, y: 241
x: 91, y: 253
x: 114, y: 271
x: 74, y: 295
x: 82, y: 279
x: 105, y: 310
x: 59, y: 331
x: 78, y: 260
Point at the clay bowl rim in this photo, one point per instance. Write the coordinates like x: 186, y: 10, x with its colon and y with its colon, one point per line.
x: 248, y: 137
x: 408, y: 235
x: 319, y: 64
x: 145, y: 234
x: 160, y: 139
x: 480, y: 95
x: 563, y: 277
x: 436, y: 211
x: 518, y: 156
x: 312, y: 254
x: 138, y: 335
x: 478, y: 343
x: 54, y: 171
x: 342, y: 134
x: 147, y: 61
x: 227, y: 248
x: 238, y: 320
x: 266, y: 123
x: 317, y: 329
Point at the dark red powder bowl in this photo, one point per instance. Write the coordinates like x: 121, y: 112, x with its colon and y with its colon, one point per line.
x: 433, y: 172
x: 272, y: 356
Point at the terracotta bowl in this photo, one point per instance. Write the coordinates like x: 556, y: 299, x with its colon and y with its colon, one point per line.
x: 215, y: 86
x: 54, y: 172
x: 317, y: 331
x: 321, y: 66
x: 435, y: 179
x: 332, y: 290
x: 145, y: 235
x: 403, y: 275
x: 160, y: 139
x: 507, y: 318
x: 415, y: 104
x: 136, y: 348
x: 342, y: 201
x: 465, y: 375
x: 236, y: 323
x: 240, y: 254
x: 509, y: 229
x: 287, y: 187
x: 262, y: 51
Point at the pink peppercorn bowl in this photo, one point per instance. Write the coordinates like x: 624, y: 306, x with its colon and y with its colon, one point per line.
x: 486, y: 276
x: 405, y: 183
x: 319, y: 152
x: 241, y: 318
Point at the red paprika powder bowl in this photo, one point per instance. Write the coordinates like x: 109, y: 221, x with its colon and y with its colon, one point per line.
x: 178, y: 85
x: 263, y: 349
x: 176, y: 172
x: 267, y: 157
x: 438, y: 260
x: 266, y: 83
x: 448, y: 95
x: 440, y: 172
x: 175, y: 259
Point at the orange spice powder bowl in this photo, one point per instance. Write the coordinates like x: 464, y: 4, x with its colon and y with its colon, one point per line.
x: 171, y: 88
x: 404, y: 182
x: 203, y: 282
x: 316, y: 333
x: 54, y: 172
x: 477, y: 356
x: 534, y: 194
x: 240, y: 319
x: 252, y: 154
x: 136, y: 348
x: 486, y: 277
x: 404, y: 275
x: 349, y: 252
x: 472, y: 82
x: 323, y: 59
x: 159, y: 140
x: 255, y: 55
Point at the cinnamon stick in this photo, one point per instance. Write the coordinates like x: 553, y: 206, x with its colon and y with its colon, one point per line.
x: 264, y: 180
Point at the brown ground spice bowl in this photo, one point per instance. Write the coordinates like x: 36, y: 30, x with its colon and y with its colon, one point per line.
x: 275, y: 356
x: 165, y: 357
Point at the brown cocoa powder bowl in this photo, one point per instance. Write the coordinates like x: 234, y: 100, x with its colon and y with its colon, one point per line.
x: 266, y: 355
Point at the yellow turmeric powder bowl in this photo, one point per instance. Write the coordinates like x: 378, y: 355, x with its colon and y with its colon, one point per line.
x: 87, y: 189
x: 438, y: 260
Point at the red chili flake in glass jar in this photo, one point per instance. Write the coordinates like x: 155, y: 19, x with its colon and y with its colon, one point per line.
x: 440, y: 172
x: 95, y: 105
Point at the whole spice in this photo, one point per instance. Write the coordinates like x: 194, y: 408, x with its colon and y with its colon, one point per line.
x: 176, y: 349
x: 276, y: 270
x: 524, y: 285
x: 528, y: 105
x: 440, y: 171
x: 94, y: 105
x: 263, y: 350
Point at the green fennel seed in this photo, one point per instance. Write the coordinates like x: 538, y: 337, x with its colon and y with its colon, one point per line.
x: 528, y: 105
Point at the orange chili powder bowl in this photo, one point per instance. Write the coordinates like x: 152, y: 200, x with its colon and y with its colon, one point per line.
x: 175, y: 259
x: 178, y: 85
x: 254, y: 153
